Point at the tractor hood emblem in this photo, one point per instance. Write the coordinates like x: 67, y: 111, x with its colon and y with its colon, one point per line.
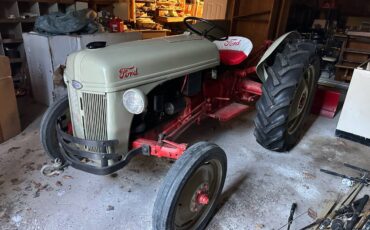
x: 128, y: 72
x: 76, y: 84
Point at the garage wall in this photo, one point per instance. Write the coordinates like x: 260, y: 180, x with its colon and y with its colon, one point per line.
x: 258, y: 20
x: 214, y: 9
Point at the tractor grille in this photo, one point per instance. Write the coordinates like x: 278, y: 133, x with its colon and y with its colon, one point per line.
x: 94, y: 108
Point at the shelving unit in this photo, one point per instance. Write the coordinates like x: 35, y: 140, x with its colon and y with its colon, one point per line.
x: 355, y: 51
x: 17, y: 17
x: 164, y: 11
x: 163, y: 7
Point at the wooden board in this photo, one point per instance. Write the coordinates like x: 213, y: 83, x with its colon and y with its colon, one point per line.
x: 214, y: 9
x: 170, y: 19
x: 154, y: 34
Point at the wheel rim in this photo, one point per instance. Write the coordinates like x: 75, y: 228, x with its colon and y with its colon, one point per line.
x: 301, y: 100
x: 198, y: 195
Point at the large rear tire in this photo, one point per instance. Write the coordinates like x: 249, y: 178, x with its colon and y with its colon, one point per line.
x: 58, y: 111
x: 287, y: 96
x: 189, y: 194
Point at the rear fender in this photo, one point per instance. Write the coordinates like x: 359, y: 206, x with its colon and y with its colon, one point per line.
x: 271, y: 51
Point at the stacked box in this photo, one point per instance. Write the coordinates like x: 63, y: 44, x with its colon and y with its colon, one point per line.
x: 9, y: 116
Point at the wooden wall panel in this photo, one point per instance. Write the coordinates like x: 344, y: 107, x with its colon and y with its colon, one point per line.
x: 214, y: 9
x: 251, y: 19
x: 259, y: 20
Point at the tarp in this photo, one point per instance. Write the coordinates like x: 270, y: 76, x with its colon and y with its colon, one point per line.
x: 71, y: 22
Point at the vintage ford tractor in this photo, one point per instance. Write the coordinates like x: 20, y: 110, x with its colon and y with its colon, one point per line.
x: 136, y: 98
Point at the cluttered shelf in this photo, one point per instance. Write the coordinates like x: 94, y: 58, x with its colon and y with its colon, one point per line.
x: 160, y: 14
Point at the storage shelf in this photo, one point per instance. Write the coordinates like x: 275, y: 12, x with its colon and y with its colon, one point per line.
x: 353, y: 62
x: 357, y: 51
x: 16, y: 60
x: 344, y: 66
x: 177, y: 9
x: 25, y: 13
x: 9, y: 21
x: 170, y: 19
x: 17, y: 20
x: 11, y: 41
x: 144, y: 1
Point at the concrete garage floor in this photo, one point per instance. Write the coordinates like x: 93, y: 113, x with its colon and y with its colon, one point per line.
x: 260, y: 185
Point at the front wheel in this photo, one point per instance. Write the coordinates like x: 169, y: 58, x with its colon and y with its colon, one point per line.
x: 188, y: 197
x: 57, y: 112
x: 287, y: 96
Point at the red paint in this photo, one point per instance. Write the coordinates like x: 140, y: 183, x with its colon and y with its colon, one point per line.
x: 70, y: 128
x: 243, y: 73
x: 229, y: 112
x: 220, y: 98
x: 166, y: 149
x: 128, y: 72
x: 326, y: 102
x: 116, y: 25
x: 232, y: 57
x: 203, y: 199
x: 252, y: 87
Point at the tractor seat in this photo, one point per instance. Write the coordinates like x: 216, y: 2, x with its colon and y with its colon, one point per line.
x: 234, y: 50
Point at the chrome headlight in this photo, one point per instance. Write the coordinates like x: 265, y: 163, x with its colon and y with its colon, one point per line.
x: 134, y: 101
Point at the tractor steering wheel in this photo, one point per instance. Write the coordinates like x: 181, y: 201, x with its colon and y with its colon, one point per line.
x: 204, y: 28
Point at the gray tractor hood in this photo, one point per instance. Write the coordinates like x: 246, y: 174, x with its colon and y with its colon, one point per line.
x: 136, y: 63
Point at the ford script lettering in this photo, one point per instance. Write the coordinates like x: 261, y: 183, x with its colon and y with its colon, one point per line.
x: 128, y: 72
x: 232, y: 42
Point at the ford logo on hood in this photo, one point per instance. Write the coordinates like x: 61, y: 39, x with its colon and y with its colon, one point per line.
x: 76, y: 84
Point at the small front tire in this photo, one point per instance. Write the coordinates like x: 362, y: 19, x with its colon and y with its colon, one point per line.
x: 188, y: 197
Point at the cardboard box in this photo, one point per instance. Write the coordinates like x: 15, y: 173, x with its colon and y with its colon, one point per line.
x: 4, y: 66
x: 9, y: 116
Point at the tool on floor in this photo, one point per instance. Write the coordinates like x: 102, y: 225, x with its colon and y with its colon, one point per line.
x: 364, y: 179
x: 345, y: 214
x: 291, y: 215
x: 295, y: 218
x: 344, y: 218
x: 358, y: 206
x: 367, y: 224
x: 330, y: 205
x: 364, y: 219
x: 340, y: 207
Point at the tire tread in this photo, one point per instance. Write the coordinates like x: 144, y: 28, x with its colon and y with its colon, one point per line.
x: 278, y: 93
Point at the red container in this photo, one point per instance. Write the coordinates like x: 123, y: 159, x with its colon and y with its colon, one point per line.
x: 116, y: 25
